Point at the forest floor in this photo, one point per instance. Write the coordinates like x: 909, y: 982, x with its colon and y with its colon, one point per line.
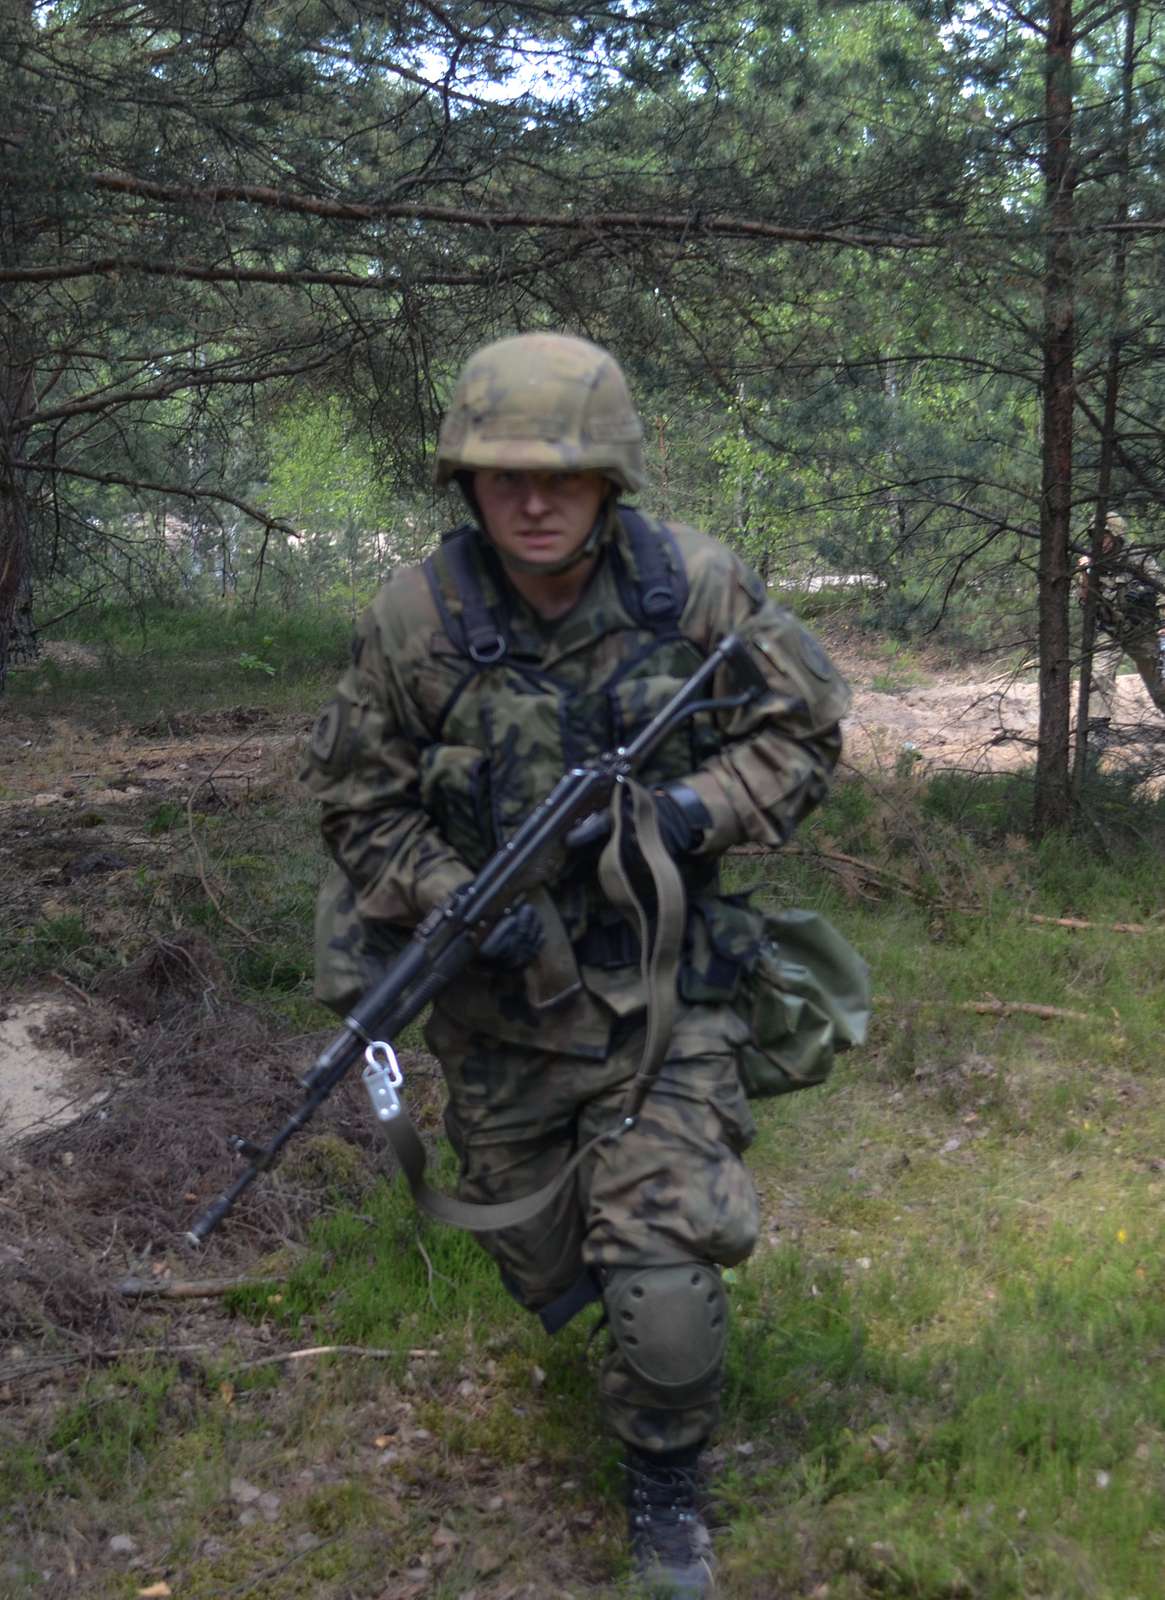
x: 157, y: 880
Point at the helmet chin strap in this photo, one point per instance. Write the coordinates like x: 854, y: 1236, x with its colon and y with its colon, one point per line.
x: 550, y: 569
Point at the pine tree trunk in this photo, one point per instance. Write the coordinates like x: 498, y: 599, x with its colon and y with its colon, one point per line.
x: 1052, y: 788
x: 1112, y: 379
x: 17, y: 634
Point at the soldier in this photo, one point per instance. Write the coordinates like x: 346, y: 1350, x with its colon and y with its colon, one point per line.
x: 548, y: 629
x: 1130, y: 588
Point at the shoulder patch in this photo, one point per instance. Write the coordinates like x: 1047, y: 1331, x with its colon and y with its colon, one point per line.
x: 326, y: 733
x: 815, y: 657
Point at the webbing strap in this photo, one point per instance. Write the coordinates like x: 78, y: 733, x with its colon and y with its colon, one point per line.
x: 658, y: 596
x: 660, y: 956
x: 659, y: 964
x: 470, y: 1215
x: 476, y: 630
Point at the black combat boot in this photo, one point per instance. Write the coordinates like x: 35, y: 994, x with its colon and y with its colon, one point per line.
x: 669, y: 1542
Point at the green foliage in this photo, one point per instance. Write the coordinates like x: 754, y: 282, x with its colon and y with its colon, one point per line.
x: 107, y: 1439
x: 169, y: 814
x: 59, y: 943
x: 252, y: 663
x: 367, y: 1279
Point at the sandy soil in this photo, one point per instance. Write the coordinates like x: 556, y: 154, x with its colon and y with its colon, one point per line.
x: 41, y: 1085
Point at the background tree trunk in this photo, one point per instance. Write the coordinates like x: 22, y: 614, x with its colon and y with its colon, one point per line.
x: 1052, y: 807
x: 1112, y: 377
x: 17, y: 634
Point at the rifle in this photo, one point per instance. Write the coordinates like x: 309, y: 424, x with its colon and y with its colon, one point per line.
x: 448, y: 938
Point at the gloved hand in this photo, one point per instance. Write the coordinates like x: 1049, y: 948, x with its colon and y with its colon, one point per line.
x: 515, y: 938
x: 683, y: 821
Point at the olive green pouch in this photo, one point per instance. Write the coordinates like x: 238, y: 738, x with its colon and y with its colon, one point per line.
x: 805, y: 997
x: 802, y: 989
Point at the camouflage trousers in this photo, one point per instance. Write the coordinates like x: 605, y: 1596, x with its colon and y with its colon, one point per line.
x: 1106, y: 661
x: 671, y: 1190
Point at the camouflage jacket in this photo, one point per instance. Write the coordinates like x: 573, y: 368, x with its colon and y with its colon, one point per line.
x: 1131, y: 594
x: 425, y: 762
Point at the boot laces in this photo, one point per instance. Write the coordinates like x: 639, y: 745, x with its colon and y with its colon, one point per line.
x: 664, y: 1520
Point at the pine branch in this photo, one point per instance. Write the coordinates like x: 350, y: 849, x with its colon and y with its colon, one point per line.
x: 120, y: 480
x: 633, y: 222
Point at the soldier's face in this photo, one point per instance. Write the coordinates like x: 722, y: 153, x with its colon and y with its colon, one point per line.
x: 539, y: 516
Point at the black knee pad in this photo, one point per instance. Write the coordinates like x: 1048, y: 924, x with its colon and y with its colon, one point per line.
x: 670, y: 1324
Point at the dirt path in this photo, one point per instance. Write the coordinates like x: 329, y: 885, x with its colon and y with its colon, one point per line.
x: 988, y: 726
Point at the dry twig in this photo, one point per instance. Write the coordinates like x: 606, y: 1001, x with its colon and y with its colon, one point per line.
x: 44, y: 1366
x: 318, y: 1350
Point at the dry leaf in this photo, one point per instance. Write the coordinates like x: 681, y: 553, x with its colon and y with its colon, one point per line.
x: 156, y: 1591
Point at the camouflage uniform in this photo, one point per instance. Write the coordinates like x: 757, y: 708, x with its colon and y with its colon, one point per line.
x: 1131, y: 593
x: 425, y: 762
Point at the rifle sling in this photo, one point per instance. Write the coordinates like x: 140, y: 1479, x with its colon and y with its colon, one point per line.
x: 659, y: 964
x: 660, y: 959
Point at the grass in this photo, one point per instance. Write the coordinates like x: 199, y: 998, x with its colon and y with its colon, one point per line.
x: 944, y: 1378
x: 945, y: 1374
x: 156, y: 662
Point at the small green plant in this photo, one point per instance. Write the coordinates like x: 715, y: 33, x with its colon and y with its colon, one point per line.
x: 254, y: 663
x: 168, y: 815
x: 55, y: 944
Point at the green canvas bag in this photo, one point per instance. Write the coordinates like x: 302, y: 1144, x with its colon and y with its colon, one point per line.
x: 800, y: 986
x: 805, y: 997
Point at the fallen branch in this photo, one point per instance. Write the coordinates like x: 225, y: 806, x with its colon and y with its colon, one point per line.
x: 181, y: 1289
x: 991, y: 1007
x: 1009, y: 1008
x: 886, y: 875
x: 868, y: 869
x: 321, y: 1350
x: 1079, y: 922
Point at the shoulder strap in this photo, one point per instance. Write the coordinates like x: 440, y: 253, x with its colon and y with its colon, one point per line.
x: 655, y: 595
x: 658, y: 593
x: 473, y: 629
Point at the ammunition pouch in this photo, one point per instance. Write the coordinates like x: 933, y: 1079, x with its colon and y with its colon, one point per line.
x: 610, y: 944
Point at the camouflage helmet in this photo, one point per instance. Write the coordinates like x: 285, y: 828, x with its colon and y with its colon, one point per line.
x: 542, y: 402
x: 1115, y: 525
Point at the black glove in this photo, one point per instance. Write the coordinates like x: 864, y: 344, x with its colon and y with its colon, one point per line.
x: 683, y: 821
x: 514, y: 939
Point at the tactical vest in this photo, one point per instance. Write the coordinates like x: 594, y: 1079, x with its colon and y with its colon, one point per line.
x: 526, y: 702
